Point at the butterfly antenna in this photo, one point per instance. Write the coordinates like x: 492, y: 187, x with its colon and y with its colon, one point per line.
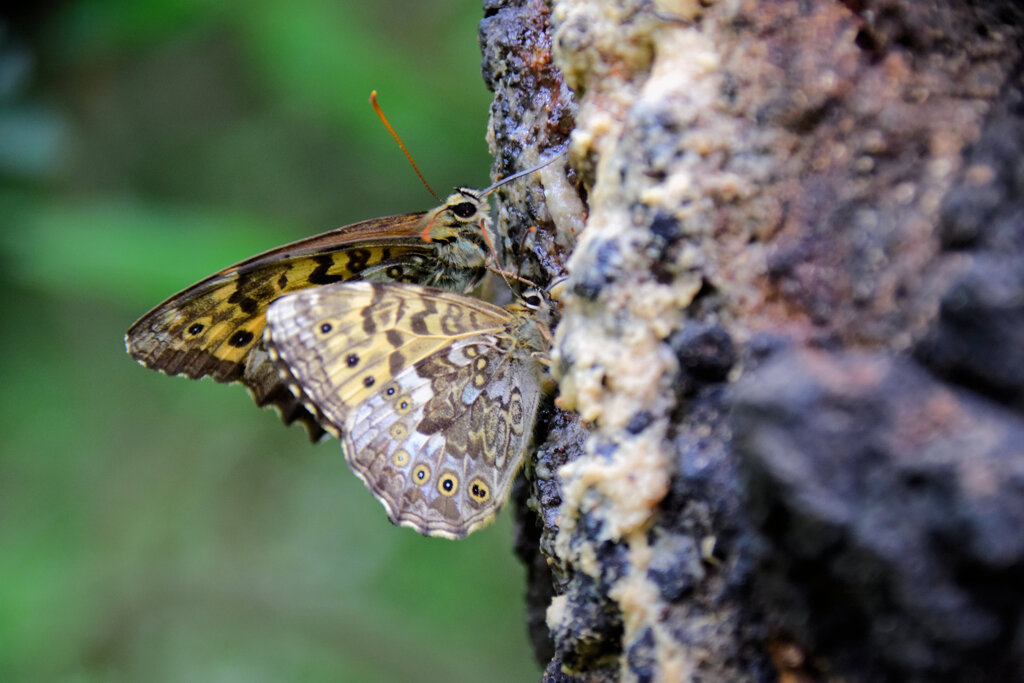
x: 497, y: 269
x: 494, y: 255
x: 532, y: 230
x: 520, y: 174
x: 505, y: 275
x: 380, y: 113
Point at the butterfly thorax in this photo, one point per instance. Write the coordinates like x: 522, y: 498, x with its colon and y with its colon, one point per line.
x: 531, y: 327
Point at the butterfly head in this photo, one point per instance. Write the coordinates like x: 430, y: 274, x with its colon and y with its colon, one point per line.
x: 463, y: 208
x: 534, y: 300
x: 537, y: 305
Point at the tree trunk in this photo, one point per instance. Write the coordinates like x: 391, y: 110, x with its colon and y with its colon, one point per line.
x: 791, y: 353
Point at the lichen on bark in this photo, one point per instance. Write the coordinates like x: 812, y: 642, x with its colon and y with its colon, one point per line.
x: 788, y: 434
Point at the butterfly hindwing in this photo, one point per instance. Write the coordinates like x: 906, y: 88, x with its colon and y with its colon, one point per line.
x: 433, y: 393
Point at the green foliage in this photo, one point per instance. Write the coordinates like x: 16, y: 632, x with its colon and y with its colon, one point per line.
x: 157, y: 529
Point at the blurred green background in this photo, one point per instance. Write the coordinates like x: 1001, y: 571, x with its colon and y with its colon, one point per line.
x: 157, y: 529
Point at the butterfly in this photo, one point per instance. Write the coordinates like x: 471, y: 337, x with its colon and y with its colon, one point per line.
x: 215, y: 327
x: 433, y: 394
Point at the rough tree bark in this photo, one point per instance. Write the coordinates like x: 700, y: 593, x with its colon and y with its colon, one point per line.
x: 791, y: 352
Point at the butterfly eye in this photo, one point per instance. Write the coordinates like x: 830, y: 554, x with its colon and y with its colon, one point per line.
x: 464, y: 210
x: 421, y: 474
x: 479, y: 491
x: 403, y: 405
x: 533, y: 300
x: 448, y: 484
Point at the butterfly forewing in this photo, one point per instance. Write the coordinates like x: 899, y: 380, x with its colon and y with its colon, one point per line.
x: 433, y: 393
x: 215, y: 328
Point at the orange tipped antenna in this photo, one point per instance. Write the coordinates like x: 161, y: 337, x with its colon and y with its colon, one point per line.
x: 380, y: 113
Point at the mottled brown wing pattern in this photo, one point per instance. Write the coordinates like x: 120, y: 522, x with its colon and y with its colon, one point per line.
x: 433, y: 394
x: 215, y: 328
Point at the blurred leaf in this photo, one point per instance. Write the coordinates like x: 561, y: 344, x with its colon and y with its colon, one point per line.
x: 99, y: 28
x: 322, y: 58
x: 123, y: 251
